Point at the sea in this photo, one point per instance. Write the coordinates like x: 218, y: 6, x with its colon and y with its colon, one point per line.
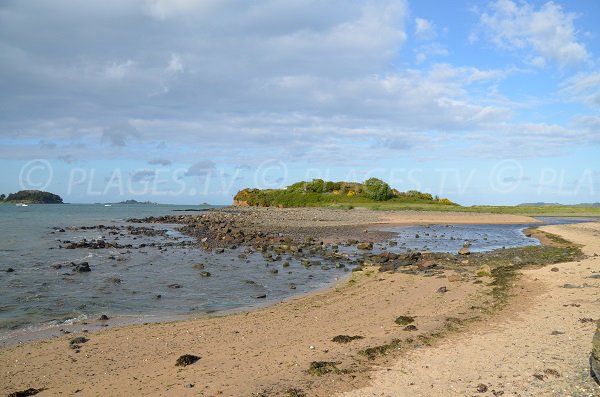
x: 160, y: 279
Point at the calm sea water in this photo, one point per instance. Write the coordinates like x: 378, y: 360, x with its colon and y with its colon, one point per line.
x: 158, y: 283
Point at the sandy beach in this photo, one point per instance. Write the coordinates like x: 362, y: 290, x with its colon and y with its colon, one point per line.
x: 269, y: 352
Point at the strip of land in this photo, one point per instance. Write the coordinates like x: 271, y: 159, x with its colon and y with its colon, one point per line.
x: 288, y: 349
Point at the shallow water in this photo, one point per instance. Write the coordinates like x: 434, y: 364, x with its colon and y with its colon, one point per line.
x: 156, y: 283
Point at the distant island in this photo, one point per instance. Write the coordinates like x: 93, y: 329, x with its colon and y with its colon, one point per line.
x: 372, y: 192
x: 31, y: 197
x: 136, y: 202
x: 542, y: 204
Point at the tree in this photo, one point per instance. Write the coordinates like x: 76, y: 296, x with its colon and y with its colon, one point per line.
x: 378, y: 189
x: 2, y: 197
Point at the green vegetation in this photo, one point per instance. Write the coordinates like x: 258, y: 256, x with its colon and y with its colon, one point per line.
x: 375, y: 194
x: 344, y: 195
x: 32, y: 197
x: 320, y: 368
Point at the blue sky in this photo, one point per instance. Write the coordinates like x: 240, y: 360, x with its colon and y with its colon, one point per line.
x: 188, y: 101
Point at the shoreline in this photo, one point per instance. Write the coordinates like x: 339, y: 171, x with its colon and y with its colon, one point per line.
x: 268, y: 333
x: 338, y: 225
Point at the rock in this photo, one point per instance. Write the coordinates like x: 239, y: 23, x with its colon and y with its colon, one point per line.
x: 186, y: 359
x: 410, y: 327
x: 442, y: 290
x: 10, y: 270
x: 174, y: 286
x: 481, y: 388
x: 83, y: 267
x: 484, y: 271
x: 261, y: 296
x: 292, y: 286
x: 557, y: 333
x: 274, y: 271
x: 199, y: 266
x: 103, y: 317
x: 404, y: 320
x: 464, y: 251
x: 26, y: 393
x: 365, y: 246
x: 595, y: 356
x: 554, y: 269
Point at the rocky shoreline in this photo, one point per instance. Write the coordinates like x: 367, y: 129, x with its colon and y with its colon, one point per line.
x: 319, y: 344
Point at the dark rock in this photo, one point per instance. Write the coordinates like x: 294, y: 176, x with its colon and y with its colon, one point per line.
x: 205, y: 274
x: 103, y: 317
x: 292, y: 286
x: 25, y: 393
x: 174, y: 286
x: 481, y: 388
x: 554, y: 269
x: 404, y: 320
x: 442, y: 290
x: 82, y: 267
x: 186, y: 359
x: 410, y: 327
x: 10, y: 270
x: 261, y: 296
x: 557, y: 333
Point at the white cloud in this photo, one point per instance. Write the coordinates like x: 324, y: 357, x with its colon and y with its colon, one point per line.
x: 549, y: 31
x: 117, y: 70
x: 175, y: 64
x: 164, y: 9
x: 583, y: 87
x: 424, y: 29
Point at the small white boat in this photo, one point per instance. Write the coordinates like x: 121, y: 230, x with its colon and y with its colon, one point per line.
x: 107, y: 205
x: 22, y: 205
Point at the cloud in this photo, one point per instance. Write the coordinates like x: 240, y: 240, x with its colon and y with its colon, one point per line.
x: 117, y: 70
x: 424, y: 29
x: 201, y: 168
x: 160, y: 161
x: 548, y: 31
x: 583, y: 87
x: 175, y: 64
x: 67, y: 158
x: 118, y: 134
x: 143, y: 176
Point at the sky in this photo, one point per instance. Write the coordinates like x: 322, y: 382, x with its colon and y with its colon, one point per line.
x: 188, y: 101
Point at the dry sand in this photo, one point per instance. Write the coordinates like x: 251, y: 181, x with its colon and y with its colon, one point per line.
x: 271, y: 348
x: 539, y: 333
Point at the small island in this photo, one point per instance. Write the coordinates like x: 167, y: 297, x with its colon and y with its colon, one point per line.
x: 136, y: 202
x: 373, y: 193
x: 31, y: 197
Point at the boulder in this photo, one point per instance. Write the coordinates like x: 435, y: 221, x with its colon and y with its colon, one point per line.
x: 365, y: 246
x: 464, y: 251
x: 82, y: 267
x: 595, y: 358
x: 483, y: 271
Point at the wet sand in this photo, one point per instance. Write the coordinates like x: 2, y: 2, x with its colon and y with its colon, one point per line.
x: 538, y: 346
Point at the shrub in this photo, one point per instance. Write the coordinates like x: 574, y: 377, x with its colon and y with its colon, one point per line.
x: 378, y: 189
